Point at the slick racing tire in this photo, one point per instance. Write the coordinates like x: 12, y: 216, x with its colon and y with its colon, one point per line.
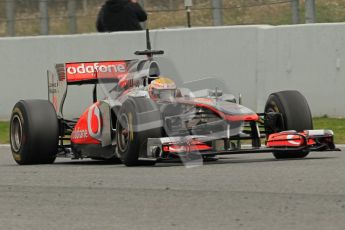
x: 131, y: 144
x: 296, y: 116
x: 34, y: 132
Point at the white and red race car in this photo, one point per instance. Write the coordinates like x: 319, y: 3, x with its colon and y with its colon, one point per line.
x: 144, y: 118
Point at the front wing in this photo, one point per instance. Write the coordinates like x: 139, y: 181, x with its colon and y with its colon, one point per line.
x: 287, y: 141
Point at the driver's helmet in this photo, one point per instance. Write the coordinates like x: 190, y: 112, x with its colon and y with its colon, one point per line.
x: 162, y: 88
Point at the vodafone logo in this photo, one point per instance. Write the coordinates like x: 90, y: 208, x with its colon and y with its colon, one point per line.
x: 96, y: 67
x: 90, y: 70
x: 94, y: 122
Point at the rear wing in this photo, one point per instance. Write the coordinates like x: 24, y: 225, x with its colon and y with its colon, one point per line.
x: 80, y: 73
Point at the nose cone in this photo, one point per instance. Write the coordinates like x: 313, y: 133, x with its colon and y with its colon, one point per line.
x: 236, y: 112
x: 230, y: 108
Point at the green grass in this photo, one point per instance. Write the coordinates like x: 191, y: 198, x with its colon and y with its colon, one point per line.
x: 4, y: 129
x: 335, y: 124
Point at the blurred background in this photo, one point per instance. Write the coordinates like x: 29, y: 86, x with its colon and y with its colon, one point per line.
x: 37, y: 17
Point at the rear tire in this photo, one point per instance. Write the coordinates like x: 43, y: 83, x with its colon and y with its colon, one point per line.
x: 34, y: 132
x: 296, y: 116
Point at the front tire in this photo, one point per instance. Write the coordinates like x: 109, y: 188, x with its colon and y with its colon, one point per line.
x: 34, y: 132
x: 296, y: 116
x: 131, y: 143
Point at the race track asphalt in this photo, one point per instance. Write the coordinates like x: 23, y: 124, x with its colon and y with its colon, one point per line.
x: 236, y: 192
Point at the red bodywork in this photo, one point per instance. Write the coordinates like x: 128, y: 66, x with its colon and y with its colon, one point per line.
x: 289, y: 139
x: 88, y: 128
x: 192, y: 146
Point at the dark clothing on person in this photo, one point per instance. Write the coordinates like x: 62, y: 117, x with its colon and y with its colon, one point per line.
x: 120, y: 15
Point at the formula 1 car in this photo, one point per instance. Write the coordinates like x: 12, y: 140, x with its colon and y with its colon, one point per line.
x: 145, y: 118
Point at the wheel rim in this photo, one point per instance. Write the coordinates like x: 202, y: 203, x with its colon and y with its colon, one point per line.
x: 16, y: 133
x: 123, y: 133
x: 271, y: 109
x: 274, y: 109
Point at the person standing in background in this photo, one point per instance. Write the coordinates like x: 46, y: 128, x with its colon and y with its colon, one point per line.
x: 120, y: 15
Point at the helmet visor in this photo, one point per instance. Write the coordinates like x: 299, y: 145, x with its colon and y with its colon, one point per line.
x: 164, y: 94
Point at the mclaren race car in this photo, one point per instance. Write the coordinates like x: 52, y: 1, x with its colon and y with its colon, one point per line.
x: 144, y: 117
